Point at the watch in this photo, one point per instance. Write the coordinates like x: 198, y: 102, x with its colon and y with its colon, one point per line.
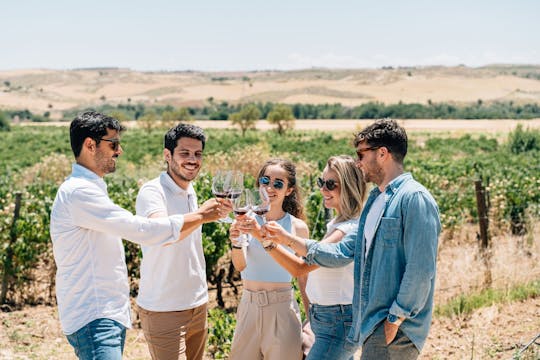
x: 394, y: 319
x: 266, y: 243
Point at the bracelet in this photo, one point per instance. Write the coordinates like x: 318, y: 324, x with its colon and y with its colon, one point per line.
x: 237, y: 247
x: 270, y: 247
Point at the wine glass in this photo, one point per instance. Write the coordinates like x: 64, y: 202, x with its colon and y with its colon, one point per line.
x: 260, y: 202
x: 241, y: 206
x: 221, y: 186
x: 236, y: 184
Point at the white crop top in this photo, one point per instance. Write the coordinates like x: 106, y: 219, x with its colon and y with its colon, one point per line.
x: 260, y: 266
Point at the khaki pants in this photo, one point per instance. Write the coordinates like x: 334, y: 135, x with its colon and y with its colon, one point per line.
x: 268, y: 327
x: 175, y: 335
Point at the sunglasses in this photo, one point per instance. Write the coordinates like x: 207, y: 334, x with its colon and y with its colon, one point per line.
x: 278, y: 184
x: 330, y: 183
x: 360, y: 152
x: 115, y: 143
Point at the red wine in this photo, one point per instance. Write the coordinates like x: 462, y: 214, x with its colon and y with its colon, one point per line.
x: 240, y: 212
x: 234, y: 194
x: 261, y: 211
x: 221, y: 195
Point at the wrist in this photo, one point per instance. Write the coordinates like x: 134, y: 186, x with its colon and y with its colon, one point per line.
x: 270, y: 246
x: 394, y: 319
x: 237, y: 246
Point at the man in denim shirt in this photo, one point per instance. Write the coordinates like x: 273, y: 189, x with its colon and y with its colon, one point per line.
x: 394, y: 251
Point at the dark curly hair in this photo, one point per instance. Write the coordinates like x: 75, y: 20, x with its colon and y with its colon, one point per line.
x: 90, y: 124
x: 183, y: 130
x: 385, y: 132
x: 292, y: 202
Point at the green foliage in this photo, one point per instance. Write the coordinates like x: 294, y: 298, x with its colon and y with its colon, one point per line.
x: 246, y: 118
x: 171, y: 118
x: 221, y: 324
x: 446, y: 166
x: 4, y: 123
x: 281, y: 115
x: 466, y: 304
x: 521, y: 140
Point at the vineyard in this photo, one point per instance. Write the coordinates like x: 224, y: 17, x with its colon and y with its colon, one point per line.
x: 35, y: 160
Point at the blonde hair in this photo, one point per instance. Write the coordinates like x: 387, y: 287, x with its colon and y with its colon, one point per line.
x: 352, y: 185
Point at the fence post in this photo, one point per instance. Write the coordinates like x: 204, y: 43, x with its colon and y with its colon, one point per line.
x: 482, y: 213
x: 8, y: 262
x: 484, y: 230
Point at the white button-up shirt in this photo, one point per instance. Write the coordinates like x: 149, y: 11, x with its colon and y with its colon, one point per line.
x: 86, y: 231
x: 173, y: 278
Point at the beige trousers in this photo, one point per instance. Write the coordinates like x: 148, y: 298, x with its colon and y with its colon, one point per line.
x: 175, y: 335
x: 267, y: 327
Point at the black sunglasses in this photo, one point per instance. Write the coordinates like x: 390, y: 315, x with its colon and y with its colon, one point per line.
x: 330, y: 183
x: 115, y: 143
x: 278, y: 184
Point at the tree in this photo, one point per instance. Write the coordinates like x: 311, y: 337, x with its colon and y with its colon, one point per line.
x: 246, y: 118
x: 148, y: 121
x: 120, y: 116
x: 4, y: 123
x: 282, y: 116
x: 171, y: 118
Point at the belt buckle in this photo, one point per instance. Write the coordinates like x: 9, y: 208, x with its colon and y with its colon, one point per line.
x: 262, y: 298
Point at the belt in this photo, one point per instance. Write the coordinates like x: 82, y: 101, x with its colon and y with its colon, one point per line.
x: 263, y: 297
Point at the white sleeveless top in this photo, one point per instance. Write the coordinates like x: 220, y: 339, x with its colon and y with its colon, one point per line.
x: 333, y: 286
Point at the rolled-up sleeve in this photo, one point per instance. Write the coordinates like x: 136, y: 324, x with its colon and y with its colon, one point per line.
x: 420, y: 239
x: 332, y: 254
x: 93, y: 210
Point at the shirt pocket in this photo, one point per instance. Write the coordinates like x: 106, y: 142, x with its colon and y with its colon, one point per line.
x: 390, y: 230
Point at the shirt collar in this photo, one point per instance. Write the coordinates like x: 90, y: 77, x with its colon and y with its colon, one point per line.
x: 169, y: 183
x: 394, y: 185
x: 85, y: 173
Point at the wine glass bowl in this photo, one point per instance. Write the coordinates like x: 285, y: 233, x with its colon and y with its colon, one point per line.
x: 260, y: 202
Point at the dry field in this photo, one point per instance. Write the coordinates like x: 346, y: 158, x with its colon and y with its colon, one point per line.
x: 56, y: 90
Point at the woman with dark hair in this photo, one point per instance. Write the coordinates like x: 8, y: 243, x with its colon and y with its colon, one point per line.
x: 268, y: 318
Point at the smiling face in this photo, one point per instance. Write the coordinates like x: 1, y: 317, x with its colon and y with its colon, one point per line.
x: 331, y: 197
x: 276, y: 196
x: 184, y: 164
x: 105, y: 155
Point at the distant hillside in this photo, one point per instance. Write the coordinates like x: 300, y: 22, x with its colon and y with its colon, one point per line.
x: 57, y: 90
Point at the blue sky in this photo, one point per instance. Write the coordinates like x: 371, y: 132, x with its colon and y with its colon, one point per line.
x: 231, y: 35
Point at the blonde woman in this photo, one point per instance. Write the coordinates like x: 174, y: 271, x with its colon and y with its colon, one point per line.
x: 329, y: 290
x: 268, y: 319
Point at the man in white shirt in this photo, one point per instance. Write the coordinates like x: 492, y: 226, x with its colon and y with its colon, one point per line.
x: 173, y: 294
x: 87, y: 228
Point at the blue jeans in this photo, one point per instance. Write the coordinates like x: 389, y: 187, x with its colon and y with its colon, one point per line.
x: 331, y: 324
x: 101, y: 339
x: 401, y: 348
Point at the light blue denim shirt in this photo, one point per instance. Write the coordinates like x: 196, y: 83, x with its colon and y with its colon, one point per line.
x: 398, y: 274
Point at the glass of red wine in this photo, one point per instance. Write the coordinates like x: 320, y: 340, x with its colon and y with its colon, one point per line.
x: 260, y: 202
x: 241, y: 207
x: 227, y: 184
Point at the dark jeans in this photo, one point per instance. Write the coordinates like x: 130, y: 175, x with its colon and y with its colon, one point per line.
x: 101, y: 339
x: 375, y: 348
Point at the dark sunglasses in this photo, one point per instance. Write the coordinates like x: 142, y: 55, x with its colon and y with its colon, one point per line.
x: 330, y: 183
x: 278, y: 184
x: 115, y: 143
x: 360, y: 152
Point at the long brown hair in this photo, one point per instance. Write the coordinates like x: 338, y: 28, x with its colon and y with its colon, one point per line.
x: 292, y: 202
